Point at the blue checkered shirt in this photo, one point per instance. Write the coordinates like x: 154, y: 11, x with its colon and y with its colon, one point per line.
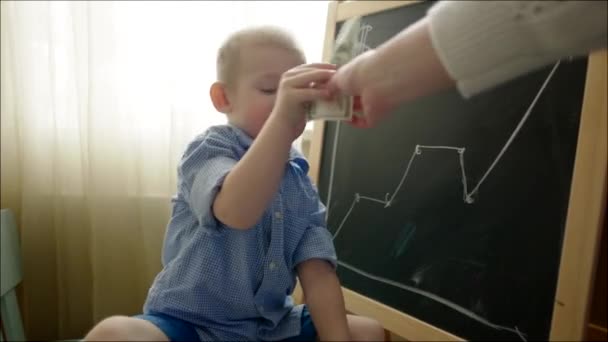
x: 237, y: 284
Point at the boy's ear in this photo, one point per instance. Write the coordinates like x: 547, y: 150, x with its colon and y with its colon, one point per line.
x: 219, y: 98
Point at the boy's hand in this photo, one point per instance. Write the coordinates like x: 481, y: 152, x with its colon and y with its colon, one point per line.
x: 297, y: 89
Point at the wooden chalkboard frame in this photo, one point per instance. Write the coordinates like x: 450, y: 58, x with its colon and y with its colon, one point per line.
x: 585, y: 216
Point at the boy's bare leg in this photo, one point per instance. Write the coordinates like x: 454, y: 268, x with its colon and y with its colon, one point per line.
x: 364, y: 329
x: 122, y: 328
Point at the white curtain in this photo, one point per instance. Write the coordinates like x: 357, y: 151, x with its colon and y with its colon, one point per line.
x: 98, y: 101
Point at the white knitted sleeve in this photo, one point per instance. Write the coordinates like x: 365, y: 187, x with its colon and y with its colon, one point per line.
x: 484, y: 43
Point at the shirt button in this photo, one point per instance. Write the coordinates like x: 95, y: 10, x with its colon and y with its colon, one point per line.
x: 272, y: 265
x: 278, y: 215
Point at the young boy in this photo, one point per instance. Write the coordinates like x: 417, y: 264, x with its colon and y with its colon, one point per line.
x: 246, y: 219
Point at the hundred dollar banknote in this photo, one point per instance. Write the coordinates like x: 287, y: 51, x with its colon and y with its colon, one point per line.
x: 346, y: 48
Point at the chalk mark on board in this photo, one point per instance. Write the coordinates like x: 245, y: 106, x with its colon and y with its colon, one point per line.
x: 467, y: 198
x: 434, y: 297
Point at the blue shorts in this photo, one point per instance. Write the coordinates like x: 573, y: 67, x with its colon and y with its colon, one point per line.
x: 178, y: 330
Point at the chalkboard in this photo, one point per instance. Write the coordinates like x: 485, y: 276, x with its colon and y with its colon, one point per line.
x: 477, y: 193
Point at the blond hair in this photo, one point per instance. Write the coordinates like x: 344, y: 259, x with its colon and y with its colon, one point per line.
x: 230, y: 51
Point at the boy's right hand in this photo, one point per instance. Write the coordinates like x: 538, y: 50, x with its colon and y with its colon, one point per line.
x: 299, y: 87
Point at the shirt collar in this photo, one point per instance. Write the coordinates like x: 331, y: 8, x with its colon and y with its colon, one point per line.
x: 294, y: 155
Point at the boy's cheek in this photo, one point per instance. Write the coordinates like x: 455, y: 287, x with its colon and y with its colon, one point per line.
x: 260, y: 111
x: 265, y: 106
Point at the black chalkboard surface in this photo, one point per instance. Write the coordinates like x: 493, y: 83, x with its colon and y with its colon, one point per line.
x: 453, y: 210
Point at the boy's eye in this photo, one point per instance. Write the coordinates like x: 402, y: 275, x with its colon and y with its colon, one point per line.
x: 268, y: 91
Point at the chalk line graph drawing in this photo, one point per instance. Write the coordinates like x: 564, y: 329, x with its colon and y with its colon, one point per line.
x: 361, y: 47
x: 468, y: 197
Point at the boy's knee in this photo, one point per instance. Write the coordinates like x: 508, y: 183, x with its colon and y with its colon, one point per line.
x: 365, y: 329
x: 374, y: 331
x: 115, y: 328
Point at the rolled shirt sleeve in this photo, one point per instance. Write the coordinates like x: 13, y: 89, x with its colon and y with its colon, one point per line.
x: 317, y: 241
x: 204, y: 169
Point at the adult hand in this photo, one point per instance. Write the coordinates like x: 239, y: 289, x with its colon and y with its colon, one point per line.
x: 402, y: 69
